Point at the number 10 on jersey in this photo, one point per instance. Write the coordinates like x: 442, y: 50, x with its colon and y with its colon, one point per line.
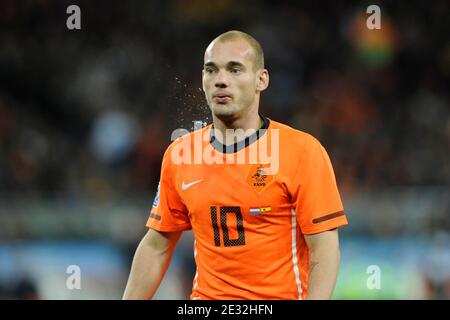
x: 224, y: 212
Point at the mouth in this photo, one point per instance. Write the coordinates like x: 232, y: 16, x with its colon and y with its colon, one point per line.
x: 221, y: 97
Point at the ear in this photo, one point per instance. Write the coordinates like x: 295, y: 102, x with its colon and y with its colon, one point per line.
x: 262, y: 82
x: 203, y: 83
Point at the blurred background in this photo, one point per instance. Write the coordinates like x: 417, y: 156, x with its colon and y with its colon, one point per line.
x: 85, y: 116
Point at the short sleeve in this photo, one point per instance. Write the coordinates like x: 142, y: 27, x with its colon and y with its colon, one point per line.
x: 168, y: 213
x: 316, y: 197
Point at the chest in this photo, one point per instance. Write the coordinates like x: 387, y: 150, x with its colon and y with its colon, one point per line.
x: 244, y: 186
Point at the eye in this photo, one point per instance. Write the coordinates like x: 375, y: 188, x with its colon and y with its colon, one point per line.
x: 209, y: 70
x: 236, y: 70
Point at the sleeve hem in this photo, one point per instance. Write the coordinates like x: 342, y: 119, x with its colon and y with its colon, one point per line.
x: 325, y: 227
x: 182, y: 227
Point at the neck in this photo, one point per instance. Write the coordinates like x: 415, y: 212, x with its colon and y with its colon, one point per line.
x: 248, y: 123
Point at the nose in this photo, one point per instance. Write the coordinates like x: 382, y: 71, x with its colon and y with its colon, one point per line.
x: 221, y: 80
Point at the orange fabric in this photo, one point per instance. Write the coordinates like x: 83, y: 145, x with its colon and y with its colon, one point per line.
x: 241, y: 254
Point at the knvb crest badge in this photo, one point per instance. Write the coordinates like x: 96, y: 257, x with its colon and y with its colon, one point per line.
x: 259, y: 176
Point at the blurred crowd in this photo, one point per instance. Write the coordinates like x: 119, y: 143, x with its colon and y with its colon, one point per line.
x: 88, y: 113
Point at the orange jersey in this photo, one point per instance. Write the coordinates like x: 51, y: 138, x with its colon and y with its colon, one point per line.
x: 249, y: 219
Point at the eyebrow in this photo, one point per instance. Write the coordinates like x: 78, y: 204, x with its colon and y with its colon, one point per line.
x: 229, y: 64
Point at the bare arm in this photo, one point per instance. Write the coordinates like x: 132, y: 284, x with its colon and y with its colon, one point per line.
x: 324, y: 259
x: 150, y: 263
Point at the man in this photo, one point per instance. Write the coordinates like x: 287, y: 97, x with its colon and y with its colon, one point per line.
x: 262, y: 231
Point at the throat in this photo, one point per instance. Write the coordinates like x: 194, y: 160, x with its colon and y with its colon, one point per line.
x: 234, y: 132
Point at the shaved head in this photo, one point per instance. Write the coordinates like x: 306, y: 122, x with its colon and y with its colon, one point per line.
x: 258, y: 57
x: 233, y: 76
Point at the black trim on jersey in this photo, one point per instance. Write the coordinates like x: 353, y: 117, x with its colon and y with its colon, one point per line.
x: 240, y: 144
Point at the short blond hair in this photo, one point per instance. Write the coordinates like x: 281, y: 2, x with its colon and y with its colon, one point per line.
x: 234, y: 34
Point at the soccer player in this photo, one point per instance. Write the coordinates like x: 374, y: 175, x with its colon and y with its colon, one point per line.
x: 263, y: 230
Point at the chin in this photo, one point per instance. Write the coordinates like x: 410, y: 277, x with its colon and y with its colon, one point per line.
x: 224, y: 111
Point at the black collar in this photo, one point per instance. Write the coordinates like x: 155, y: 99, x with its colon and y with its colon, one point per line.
x: 240, y: 144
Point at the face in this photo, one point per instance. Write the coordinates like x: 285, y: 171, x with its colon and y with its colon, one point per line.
x: 230, y: 81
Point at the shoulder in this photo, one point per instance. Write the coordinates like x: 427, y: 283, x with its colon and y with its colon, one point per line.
x: 185, y: 140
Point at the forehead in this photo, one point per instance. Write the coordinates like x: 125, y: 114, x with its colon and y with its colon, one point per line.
x: 221, y: 52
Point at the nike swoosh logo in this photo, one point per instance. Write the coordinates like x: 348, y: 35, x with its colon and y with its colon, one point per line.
x: 186, y: 186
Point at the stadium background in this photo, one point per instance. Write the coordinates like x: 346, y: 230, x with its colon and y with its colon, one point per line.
x: 85, y: 116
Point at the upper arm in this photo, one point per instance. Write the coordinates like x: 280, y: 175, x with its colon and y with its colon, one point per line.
x: 168, y: 212
x: 327, y: 240
x: 161, y: 241
x: 315, y: 193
